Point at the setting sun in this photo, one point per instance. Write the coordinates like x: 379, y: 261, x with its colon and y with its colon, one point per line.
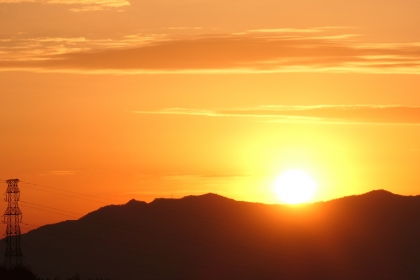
x: 295, y: 186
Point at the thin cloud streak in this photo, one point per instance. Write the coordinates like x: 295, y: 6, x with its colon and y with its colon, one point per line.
x: 286, y: 30
x: 321, y: 114
x: 261, y: 52
x: 63, y: 172
x: 27, y: 50
x: 85, y: 5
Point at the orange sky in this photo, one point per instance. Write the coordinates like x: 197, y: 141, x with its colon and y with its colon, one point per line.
x: 143, y: 99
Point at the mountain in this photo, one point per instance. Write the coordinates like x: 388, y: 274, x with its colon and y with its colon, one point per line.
x: 210, y: 237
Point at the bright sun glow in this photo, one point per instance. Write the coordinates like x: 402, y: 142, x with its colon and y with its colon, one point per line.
x: 295, y: 186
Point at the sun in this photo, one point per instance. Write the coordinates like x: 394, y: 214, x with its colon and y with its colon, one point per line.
x: 295, y: 186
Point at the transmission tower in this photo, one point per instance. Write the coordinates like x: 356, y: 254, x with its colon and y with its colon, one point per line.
x: 12, y: 217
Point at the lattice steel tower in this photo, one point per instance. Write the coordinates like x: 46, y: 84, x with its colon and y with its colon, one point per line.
x: 12, y: 217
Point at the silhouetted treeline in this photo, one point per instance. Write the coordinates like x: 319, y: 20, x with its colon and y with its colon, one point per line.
x: 26, y: 273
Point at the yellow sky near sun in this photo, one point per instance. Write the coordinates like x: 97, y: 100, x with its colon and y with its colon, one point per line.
x: 145, y: 99
x: 172, y: 153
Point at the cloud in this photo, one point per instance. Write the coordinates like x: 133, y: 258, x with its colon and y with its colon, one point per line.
x: 83, y: 5
x: 176, y: 176
x: 200, y: 177
x: 287, y: 30
x: 343, y: 114
x: 21, y: 50
x: 62, y: 172
x: 248, y: 52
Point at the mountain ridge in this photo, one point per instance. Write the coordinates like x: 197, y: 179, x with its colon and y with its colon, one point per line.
x: 368, y: 236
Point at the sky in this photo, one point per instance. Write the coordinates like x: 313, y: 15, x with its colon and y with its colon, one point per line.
x: 108, y: 100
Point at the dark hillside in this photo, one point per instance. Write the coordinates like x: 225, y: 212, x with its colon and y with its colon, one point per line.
x: 370, y: 236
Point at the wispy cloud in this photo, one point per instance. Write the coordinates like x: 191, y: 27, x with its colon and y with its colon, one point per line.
x: 261, y: 51
x: 62, y: 172
x: 343, y: 114
x: 200, y: 177
x: 27, y: 50
x: 286, y: 30
x: 83, y: 5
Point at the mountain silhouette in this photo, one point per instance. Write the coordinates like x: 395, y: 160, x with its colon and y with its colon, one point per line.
x: 371, y: 236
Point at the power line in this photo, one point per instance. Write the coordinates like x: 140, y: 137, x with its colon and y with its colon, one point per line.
x: 79, y: 193
x: 65, y: 195
x: 51, y: 208
x: 175, y: 213
x: 50, y: 211
x: 161, y: 212
x: 154, y: 210
x: 114, y: 224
